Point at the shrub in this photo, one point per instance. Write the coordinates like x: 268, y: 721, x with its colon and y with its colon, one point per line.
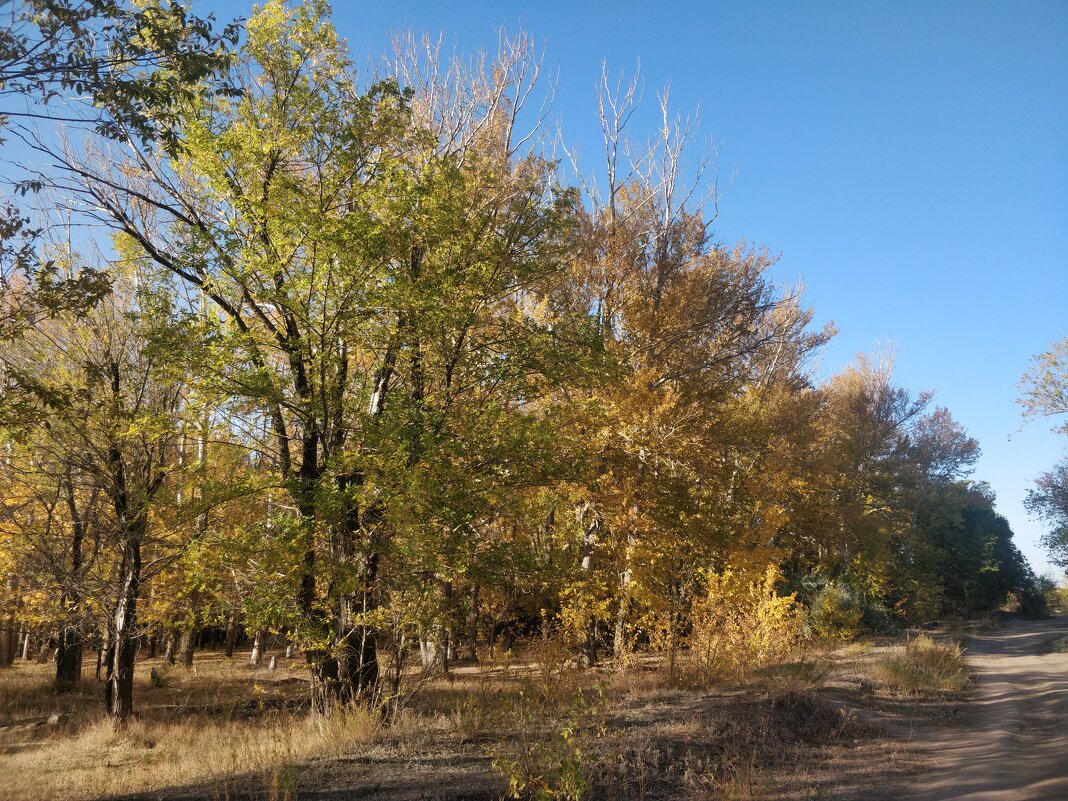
x: 924, y: 665
x: 878, y: 620
x: 835, y: 613
x: 742, y: 623
x: 1033, y: 603
x: 1057, y: 597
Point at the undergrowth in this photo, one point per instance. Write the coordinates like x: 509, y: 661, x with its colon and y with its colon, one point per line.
x: 924, y: 665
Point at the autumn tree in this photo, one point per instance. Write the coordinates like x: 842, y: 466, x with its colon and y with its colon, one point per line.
x: 1045, y: 394
x: 102, y: 458
x: 700, y: 334
x: 376, y: 274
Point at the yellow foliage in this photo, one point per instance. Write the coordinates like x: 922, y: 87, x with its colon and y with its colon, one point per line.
x: 741, y: 623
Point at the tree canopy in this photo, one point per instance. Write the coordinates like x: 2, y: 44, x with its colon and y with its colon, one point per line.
x: 360, y: 365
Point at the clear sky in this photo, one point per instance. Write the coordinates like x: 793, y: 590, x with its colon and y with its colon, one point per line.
x: 909, y: 161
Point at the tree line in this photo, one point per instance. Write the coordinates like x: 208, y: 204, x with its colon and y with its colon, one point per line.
x: 365, y: 361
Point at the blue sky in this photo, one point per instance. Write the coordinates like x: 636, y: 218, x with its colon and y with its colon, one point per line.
x: 908, y: 160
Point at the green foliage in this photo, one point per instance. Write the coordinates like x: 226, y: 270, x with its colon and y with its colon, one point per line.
x: 835, y: 613
x: 1055, y: 595
x: 1045, y: 394
x: 1049, y: 501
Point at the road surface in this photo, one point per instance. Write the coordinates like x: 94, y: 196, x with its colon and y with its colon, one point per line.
x: 1015, y: 748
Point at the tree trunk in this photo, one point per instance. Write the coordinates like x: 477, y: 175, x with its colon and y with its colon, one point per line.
x: 472, y: 625
x: 8, y: 628
x: 231, y: 635
x: 185, y: 649
x: 171, y: 648
x: 258, y: 648
x: 7, y: 642
x: 591, y: 526
x: 26, y: 647
x: 124, y: 644
x: 619, y: 639
x: 69, y: 660
x: 102, y: 650
x: 357, y: 669
x: 69, y: 656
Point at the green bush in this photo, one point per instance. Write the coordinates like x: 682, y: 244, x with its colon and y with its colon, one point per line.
x: 835, y: 613
x: 1056, y: 597
x: 877, y: 619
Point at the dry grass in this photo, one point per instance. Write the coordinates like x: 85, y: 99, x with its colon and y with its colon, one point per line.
x: 228, y: 731
x: 923, y: 665
x: 150, y: 755
x: 722, y: 749
x: 223, y: 723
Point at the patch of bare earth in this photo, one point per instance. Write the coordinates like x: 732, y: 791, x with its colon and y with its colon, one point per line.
x: 1014, y: 746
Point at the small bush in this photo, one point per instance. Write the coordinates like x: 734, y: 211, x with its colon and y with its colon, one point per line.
x: 835, y: 614
x: 1057, y: 597
x: 924, y: 665
x: 742, y: 624
x: 1033, y: 603
x: 878, y: 620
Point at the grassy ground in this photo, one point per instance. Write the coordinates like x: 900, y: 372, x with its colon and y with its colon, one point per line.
x: 530, y: 726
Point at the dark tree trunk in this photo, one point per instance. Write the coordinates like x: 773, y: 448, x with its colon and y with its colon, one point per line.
x: 69, y: 659
x: 185, y: 649
x: 357, y: 668
x: 69, y: 656
x: 231, y: 635
x: 360, y: 647
x: 8, y: 629
x: 7, y: 642
x: 472, y: 625
x: 124, y: 640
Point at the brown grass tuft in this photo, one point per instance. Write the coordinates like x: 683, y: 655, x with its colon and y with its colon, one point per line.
x: 924, y: 665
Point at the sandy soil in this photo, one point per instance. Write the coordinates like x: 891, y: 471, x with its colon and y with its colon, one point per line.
x: 1014, y: 744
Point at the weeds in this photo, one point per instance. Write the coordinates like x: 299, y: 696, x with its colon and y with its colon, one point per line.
x: 922, y: 666
x: 716, y: 755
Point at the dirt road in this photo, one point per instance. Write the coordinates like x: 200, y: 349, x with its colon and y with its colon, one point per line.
x: 1015, y: 747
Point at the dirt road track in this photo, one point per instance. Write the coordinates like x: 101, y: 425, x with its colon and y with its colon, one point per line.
x: 1015, y: 748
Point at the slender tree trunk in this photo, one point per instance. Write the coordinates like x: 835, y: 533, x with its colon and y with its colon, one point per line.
x: 619, y: 640
x: 357, y: 668
x: 26, y: 647
x: 69, y: 657
x: 358, y: 671
x: 124, y: 645
x: 445, y: 643
x: 591, y: 525
x: 8, y: 628
x: 171, y: 649
x: 7, y: 642
x: 102, y: 651
x: 472, y: 625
